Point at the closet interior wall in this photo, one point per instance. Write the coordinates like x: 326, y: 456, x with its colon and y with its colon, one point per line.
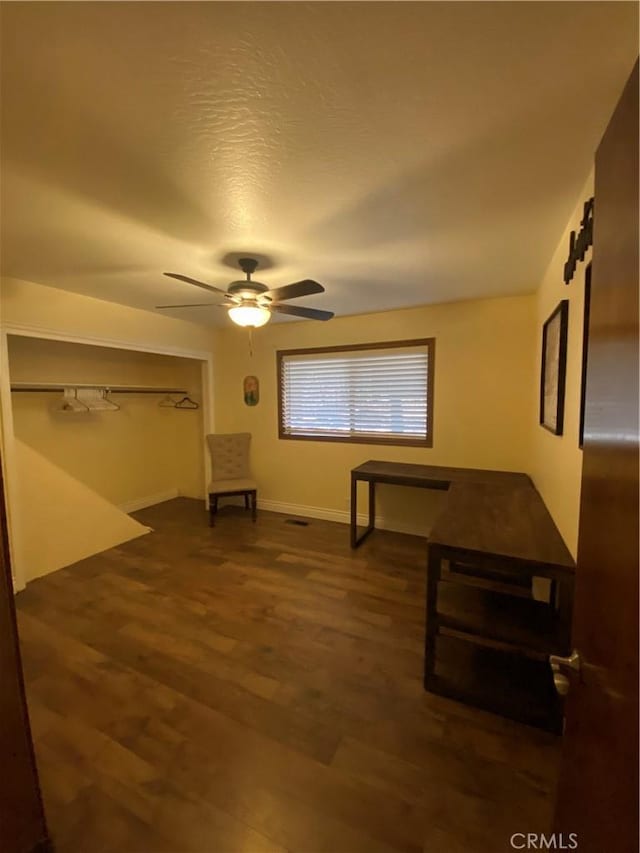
x: 138, y: 455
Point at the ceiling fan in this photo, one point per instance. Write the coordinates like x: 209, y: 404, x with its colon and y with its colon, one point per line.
x: 250, y: 303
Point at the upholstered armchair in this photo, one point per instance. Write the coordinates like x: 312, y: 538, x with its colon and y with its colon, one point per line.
x: 230, y: 472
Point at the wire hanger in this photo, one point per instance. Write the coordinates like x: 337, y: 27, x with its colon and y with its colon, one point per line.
x: 186, y: 403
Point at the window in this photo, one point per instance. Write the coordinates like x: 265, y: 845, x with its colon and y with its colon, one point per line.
x: 367, y: 393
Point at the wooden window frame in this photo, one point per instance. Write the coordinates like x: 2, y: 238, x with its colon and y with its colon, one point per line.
x: 429, y: 343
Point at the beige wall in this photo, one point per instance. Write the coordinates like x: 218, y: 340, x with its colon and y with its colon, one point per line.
x: 556, y: 461
x: 483, y: 374
x: 27, y: 304
x: 125, y: 456
x: 62, y: 521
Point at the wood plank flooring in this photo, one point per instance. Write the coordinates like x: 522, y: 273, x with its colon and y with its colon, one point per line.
x: 258, y: 687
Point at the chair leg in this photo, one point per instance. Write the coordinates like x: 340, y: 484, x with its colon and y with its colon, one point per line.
x: 254, y: 505
x: 213, y: 509
x: 246, y: 500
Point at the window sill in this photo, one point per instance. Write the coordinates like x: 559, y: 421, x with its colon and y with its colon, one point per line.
x: 382, y: 440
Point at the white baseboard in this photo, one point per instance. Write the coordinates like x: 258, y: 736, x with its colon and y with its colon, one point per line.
x: 298, y: 510
x: 341, y: 516
x: 149, y: 500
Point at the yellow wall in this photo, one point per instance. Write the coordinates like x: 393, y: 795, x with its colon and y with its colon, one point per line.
x: 142, y: 450
x: 556, y: 461
x: 482, y: 408
x: 62, y: 520
x: 29, y: 304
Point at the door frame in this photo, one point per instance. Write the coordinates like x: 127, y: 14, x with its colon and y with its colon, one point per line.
x: 7, y: 434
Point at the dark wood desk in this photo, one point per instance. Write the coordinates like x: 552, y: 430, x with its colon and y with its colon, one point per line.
x: 492, y: 536
x: 420, y: 477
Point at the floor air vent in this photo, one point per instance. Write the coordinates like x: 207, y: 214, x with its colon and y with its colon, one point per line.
x: 298, y: 522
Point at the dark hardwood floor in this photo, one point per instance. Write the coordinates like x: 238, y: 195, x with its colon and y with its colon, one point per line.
x: 258, y: 688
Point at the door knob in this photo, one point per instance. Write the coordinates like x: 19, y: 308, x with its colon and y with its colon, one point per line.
x: 561, y: 683
x: 560, y: 664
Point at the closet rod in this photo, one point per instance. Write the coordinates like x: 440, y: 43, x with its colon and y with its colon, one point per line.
x: 112, y: 389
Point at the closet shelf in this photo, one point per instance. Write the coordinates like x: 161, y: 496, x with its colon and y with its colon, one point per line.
x: 112, y: 389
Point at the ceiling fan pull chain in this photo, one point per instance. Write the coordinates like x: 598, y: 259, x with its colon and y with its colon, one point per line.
x: 250, y: 342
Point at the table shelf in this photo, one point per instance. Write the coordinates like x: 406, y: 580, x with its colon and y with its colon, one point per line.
x: 509, y: 684
x: 488, y: 578
x: 488, y: 640
x: 513, y: 622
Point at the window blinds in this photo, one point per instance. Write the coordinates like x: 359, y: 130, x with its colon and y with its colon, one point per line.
x: 359, y: 393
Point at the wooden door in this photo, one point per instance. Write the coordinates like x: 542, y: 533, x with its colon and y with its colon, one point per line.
x: 598, y: 792
x: 22, y: 824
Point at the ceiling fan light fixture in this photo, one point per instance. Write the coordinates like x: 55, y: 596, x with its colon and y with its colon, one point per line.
x: 249, y: 315
x: 250, y: 303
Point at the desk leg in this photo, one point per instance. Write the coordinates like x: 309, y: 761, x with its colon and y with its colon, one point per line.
x: 433, y: 576
x: 565, y: 612
x: 354, y: 512
x: 372, y: 505
x: 355, y: 539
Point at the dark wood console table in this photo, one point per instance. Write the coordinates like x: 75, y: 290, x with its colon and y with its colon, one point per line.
x: 487, y: 640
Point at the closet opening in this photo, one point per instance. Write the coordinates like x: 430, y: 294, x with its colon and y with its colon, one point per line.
x: 91, y: 434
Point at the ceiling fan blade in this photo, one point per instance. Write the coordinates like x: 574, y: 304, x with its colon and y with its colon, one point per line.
x: 298, y: 311
x: 306, y: 287
x: 194, y: 281
x: 194, y: 305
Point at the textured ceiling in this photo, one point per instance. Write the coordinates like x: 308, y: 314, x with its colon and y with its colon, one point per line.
x: 399, y: 153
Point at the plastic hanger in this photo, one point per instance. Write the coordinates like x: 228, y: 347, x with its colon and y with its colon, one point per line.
x: 105, y: 395
x: 102, y: 402
x: 71, y: 403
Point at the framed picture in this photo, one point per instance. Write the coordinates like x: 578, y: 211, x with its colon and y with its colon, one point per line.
x: 585, y: 349
x: 251, y: 390
x: 554, y: 365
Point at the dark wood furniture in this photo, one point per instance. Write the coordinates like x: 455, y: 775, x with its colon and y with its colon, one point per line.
x: 418, y: 476
x: 598, y: 790
x: 487, y: 640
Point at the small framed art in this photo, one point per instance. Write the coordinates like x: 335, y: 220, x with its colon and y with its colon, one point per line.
x: 251, y: 390
x: 553, y: 371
